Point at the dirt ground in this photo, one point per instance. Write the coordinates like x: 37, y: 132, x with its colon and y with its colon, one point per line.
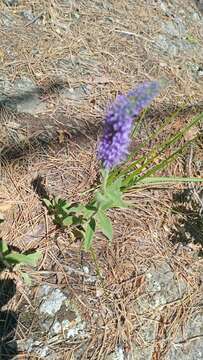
x: 61, y: 63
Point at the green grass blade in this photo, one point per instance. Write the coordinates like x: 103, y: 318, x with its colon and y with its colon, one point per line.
x: 158, y: 180
x: 130, y: 179
x: 180, y: 134
x: 139, y: 122
x: 159, y: 150
x: 153, y: 136
x: 166, y: 122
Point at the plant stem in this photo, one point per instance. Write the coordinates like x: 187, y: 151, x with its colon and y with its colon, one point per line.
x: 94, y: 258
x: 105, y: 174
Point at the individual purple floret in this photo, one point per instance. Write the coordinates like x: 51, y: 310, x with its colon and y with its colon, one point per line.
x: 113, y: 147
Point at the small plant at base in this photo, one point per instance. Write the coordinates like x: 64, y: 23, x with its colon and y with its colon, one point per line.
x: 12, y: 260
x: 86, y: 218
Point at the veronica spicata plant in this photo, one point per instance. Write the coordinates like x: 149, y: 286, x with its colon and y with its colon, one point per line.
x: 112, y: 151
x: 119, y: 172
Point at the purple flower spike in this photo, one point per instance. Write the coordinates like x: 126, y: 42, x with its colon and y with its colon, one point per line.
x: 113, y: 147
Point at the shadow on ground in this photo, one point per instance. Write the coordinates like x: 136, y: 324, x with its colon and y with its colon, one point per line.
x: 26, y: 134
x: 42, y: 132
x: 8, y: 321
x: 189, y: 229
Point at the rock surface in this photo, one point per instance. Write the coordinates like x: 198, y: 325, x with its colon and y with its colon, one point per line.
x: 163, y: 288
x: 22, y: 95
x: 56, y: 319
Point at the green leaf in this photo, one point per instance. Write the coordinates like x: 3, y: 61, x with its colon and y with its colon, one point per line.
x: 74, y: 209
x: 133, y: 178
x: 3, y: 246
x: 154, y: 135
x: 156, y: 153
x: 89, y: 233
x: 112, y: 196
x: 89, y: 210
x: 117, y: 200
x: 80, y: 209
x: 69, y: 220
x: 105, y: 224
x: 61, y: 204
x: 115, y: 185
x: 103, y: 201
x: 156, y: 180
x: 29, y: 259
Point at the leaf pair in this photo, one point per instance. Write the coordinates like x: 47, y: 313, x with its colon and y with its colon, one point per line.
x: 66, y: 214
x: 109, y: 196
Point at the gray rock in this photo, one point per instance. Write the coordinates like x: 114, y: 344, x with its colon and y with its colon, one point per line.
x: 174, y: 39
x: 162, y: 287
x: 193, y: 351
x: 38, y: 348
x: 56, y: 318
x: 164, y: 8
x: 64, y: 327
x: 195, y: 16
x: 168, y: 47
x: 28, y: 97
x: 7, y: 20
x: 189, y: 345
x: 196, y: 71
x: 53, y: 301
x: 22, y: 96
x: 82, y: 64
x: 139, y: 353
x: 174, y: 47
x: 147, y: 332
x: 200, y: 72
x: 174, y: 28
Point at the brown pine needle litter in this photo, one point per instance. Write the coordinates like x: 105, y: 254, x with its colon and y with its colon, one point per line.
x: 95, y: 50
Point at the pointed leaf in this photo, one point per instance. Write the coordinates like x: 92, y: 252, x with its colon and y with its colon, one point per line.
x: 103, y: 201
x: 29, y: 259
x: 116, y: 185
x: 117, y: 200
x: 156, y: 180
x: 105, y: 224
x: 89, y: 233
